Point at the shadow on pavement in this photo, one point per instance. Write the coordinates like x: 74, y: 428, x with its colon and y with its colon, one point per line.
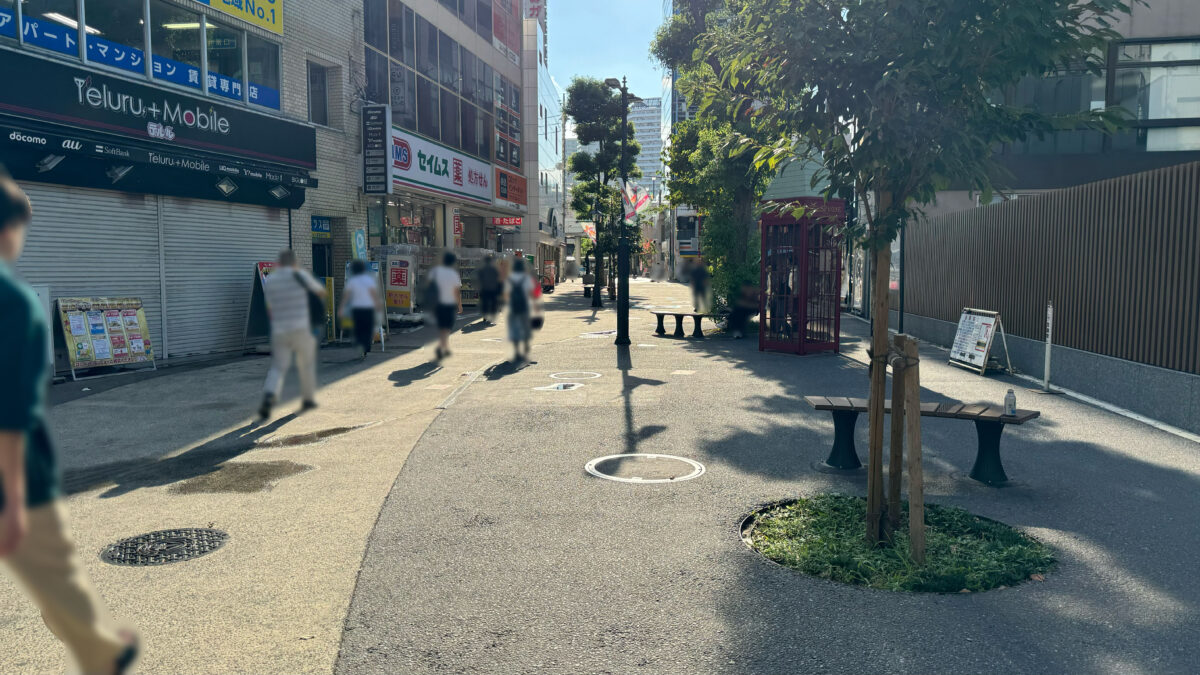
x: 198, y: 461
x: 421, y: 371
x: 506, y: 368
x: 629, y: 383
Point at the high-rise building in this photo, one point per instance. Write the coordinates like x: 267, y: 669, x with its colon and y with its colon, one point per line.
x: 646, y: 117
x: 542, y: 235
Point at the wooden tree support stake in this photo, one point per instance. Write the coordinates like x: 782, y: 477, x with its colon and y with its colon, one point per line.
x: 916, y: 475
x: 896, y: 443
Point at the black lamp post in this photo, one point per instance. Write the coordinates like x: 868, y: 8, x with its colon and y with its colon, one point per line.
x: 623, y: 241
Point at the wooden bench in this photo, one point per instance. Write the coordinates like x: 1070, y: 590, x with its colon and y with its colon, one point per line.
x: 989, y: 426
x: 660, y: 313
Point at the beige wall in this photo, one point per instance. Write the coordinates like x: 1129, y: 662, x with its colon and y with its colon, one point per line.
x: 1162, y: 18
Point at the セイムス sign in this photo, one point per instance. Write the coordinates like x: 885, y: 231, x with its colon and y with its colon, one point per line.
x: 425, y: 165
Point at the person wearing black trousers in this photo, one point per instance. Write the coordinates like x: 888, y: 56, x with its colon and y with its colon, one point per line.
x: 361, y: 301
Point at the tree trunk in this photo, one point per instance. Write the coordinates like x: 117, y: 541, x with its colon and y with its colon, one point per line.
x: 879, y: 349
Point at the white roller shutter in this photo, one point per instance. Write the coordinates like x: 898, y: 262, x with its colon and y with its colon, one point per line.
x: 210, y: 250
x: 95, y: 243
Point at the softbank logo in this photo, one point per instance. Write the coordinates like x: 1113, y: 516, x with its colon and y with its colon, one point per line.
x: 104, y: 98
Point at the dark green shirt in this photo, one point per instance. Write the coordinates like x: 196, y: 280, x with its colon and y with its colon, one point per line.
x: 26, y: 375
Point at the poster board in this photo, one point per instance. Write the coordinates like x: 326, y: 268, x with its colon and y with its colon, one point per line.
x: 258, y: 321
x: 101, y: 332
x: 44, y: 301
x: 401, y: 279
x: 973, y: 341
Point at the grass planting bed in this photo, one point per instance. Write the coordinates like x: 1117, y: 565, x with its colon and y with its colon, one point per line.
x: 824, y: 536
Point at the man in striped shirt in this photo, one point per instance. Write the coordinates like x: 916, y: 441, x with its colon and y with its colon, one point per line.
x: 286, y: 289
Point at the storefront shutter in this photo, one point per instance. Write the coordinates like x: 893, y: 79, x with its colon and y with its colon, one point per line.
x: 210, y: 251
x: 95, y: 243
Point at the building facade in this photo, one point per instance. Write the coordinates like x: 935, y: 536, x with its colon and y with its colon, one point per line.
x: 167, y: 149
x: 646, y: 118
x: 542, y: 238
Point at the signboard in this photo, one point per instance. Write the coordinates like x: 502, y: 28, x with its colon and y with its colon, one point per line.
x: 510, y: 190
x: 507, y: 29
x: 104, y: 332
x: 425, y: 165
x: 42, y: 89
x: 636, y: 199
x: 514, y: 221
x: 536, y: 9
x: 973, y: 340
x: 263, y: 269
x: 267, y: 14
x: 376, y: 132
x: 401, y: 276
x: 458, y: 229
x: 358, y: 243
x: 322, y: 227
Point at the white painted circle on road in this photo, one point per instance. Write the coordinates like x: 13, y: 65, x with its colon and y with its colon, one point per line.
x: 697, y: 468
x: 575, y: 375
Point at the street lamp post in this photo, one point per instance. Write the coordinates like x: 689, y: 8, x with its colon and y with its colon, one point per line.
x: 623, y: 241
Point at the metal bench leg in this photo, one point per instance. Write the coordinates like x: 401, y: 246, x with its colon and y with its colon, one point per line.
x: 988, y: 469
x: 843, y: 455
x: 679, y: 326
x: 697, y: 333
x: 660, y: 330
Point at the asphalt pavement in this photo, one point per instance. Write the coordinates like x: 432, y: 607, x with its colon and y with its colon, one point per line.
x: 496, y: 552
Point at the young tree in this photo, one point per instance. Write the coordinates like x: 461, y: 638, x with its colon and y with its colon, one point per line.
x: 896, y: 99
x: 596, y: 110
x: 711, y: 160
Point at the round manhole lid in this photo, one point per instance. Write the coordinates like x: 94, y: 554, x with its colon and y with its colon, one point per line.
x: 561, y: 386
x: 645, y: 468
x: 575, y: 375
x: 164, y: 546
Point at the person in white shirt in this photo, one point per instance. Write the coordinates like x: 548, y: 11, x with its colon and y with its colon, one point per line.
x: 520, y: 310
x: 361, y: 302
x: 449, y: 300
x: 287, y: 289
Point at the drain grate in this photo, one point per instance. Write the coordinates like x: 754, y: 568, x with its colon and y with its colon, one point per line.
x: 164, y: 547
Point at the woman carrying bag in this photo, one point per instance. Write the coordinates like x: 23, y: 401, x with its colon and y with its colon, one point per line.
x: 520, y: 287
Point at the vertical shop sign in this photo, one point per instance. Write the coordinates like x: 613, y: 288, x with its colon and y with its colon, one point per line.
x: 358, y: 243
x: 458, y: 229
x: 376, y: 135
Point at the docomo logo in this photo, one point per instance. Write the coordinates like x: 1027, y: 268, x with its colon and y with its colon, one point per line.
x: 401, y: 154
x: 169, y: 113
x: 26, y: 138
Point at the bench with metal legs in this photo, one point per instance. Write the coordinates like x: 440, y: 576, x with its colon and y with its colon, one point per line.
x: 989, y: 427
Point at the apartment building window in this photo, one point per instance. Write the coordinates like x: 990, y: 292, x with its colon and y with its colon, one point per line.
x: 404, y: 97
x: 318, y: 94
x: 449, y: 62
x: 175, y: 40
x: 401, y: 24
x: 375, y: 23
x: 241, y: 66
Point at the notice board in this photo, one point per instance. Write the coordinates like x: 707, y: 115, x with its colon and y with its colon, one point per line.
x: 104, y: 332
x: 401, y: 277
x: 973, y: 341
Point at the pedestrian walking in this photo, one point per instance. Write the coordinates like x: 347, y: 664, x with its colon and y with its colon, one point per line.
x: 444, y: 278
x: 362, y: 302
x: 521, y: 287
x: 698, y: 274
x: 36, y: 548
x: 490, y: 289
x: 744, y: 307
x: 287, y: 289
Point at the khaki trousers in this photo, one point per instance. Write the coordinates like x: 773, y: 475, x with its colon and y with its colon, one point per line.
x: 48, y: 569
x: 303, y: 345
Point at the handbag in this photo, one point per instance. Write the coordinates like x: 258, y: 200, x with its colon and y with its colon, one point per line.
x: 316, y: 306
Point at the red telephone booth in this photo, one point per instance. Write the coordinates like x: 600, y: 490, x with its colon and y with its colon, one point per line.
x: 800, y: 304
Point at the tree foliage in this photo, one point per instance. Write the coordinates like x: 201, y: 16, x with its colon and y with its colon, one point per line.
x: 900, y: 97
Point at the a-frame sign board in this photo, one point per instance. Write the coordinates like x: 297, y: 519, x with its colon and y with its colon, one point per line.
x: 977, y: 329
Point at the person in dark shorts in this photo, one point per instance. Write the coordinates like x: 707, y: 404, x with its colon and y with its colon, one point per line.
x: 449, y: 300
x: 362, y: 302
x: 36, y: 548
x: 490, y: 289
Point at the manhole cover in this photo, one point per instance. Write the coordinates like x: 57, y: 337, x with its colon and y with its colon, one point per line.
x: 576, y: 375
x: 164, y: 546
x: 599, y: 334
x: 645, y: 468
x: 561, y: 386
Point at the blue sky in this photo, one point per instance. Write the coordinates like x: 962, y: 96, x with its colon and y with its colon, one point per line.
x: 601, y: 40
